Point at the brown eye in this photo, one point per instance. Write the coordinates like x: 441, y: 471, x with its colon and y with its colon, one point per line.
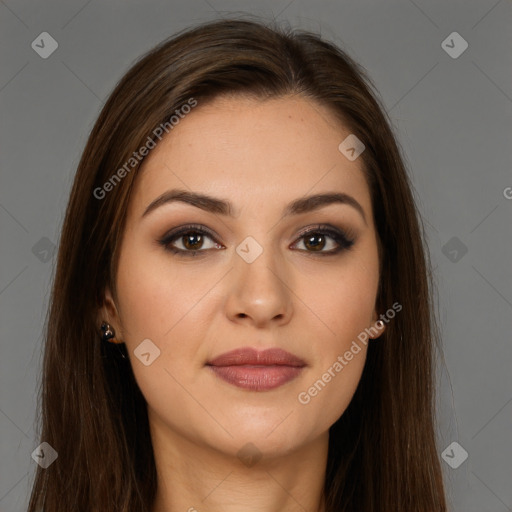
x: 192, y: 241
x: 315, y: 240
x: 189, y: 240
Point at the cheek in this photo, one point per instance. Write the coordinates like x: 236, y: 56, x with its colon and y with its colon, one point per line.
x: 343, y: 302
x: 342, y: 299
x: 339, y: 354
x: 154, y: 292
x: 168, y: 304
x: 159, y: 303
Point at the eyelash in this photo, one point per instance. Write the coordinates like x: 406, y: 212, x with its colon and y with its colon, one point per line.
x: 342, y: 239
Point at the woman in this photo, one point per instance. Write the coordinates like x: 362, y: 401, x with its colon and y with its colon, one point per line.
x: 241, y: 302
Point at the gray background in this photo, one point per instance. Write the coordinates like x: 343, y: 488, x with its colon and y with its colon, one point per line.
x: 452, y: 117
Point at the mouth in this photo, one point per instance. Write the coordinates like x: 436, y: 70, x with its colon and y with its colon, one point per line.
x: 255, y: 370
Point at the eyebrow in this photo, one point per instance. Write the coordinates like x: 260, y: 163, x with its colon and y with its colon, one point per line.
x: 222, y: 207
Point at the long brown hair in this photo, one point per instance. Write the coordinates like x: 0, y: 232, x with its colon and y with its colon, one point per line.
x: 382, y: 451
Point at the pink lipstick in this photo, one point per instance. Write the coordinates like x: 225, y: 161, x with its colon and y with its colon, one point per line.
x: 255, y: 370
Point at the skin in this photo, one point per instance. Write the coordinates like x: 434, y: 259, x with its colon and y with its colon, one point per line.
x: 259, y: 155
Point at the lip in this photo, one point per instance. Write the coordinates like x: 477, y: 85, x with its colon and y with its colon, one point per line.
x: 255, y: 370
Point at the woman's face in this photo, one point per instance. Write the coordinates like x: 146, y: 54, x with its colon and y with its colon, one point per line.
x: 246, y: 277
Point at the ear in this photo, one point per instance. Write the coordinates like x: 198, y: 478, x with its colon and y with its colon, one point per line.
x: 378, y: 325
x: 108, y: 313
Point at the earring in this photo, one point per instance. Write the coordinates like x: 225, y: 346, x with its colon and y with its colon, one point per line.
x: 108, y: 333
x: 379, y: 324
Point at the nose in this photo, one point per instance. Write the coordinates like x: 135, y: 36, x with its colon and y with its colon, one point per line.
x: 259, y: 293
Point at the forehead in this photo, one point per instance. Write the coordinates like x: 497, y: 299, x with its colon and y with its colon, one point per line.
x: 267, y: 152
